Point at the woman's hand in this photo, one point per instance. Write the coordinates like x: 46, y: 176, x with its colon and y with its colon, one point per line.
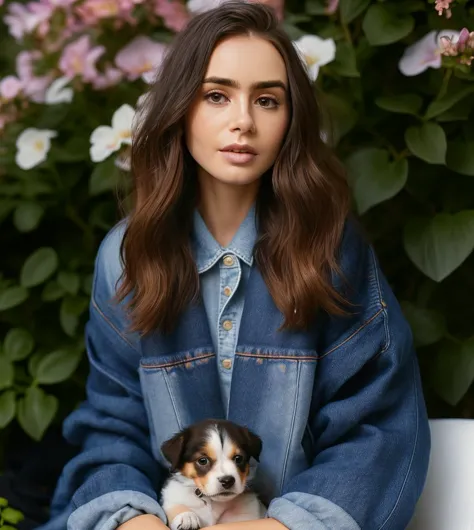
x: 144, y: 522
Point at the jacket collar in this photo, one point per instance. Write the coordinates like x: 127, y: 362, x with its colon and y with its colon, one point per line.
x: 207, y: 250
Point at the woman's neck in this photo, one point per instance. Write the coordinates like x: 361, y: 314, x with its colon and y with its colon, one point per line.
x: 223, y: 207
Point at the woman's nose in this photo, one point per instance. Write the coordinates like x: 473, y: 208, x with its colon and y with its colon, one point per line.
x: 242, y: 119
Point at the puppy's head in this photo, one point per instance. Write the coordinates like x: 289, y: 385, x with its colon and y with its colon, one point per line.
x: 215, y: 454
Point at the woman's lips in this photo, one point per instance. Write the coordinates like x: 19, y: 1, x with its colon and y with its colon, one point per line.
x: 238, y: 158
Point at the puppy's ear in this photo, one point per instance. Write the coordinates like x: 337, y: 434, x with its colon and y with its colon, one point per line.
x: 253, y: 445
x: 173, y: 449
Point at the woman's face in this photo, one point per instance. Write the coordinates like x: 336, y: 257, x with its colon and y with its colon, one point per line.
x: 242, y: 105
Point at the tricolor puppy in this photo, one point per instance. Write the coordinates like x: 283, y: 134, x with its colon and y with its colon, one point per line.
x: 210, y: 466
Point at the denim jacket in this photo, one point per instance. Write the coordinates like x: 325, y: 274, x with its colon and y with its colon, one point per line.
x: 339, y: 407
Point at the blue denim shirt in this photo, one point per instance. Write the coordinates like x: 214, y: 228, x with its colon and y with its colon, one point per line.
x: 223, y: 275
x: 338, y: 406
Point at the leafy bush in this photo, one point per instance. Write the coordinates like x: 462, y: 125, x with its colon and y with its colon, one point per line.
x: 397, y: 93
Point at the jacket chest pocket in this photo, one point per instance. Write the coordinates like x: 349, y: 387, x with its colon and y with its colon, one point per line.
x: 178, y: 390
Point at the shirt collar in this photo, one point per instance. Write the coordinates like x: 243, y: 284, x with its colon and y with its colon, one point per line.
x: 207, y: 250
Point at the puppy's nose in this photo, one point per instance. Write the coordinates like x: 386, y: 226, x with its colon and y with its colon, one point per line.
x: 227, y: 481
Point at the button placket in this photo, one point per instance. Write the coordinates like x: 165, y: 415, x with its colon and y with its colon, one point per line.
x: 230, y: 274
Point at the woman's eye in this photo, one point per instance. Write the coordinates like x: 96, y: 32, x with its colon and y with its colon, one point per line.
x: 203, y: 461
x: 238, y: 459
x: 215, y: 97
x: 268, y: 103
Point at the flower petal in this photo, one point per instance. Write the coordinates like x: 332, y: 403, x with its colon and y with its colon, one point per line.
x: 421, y: 55
x: 29, y: 158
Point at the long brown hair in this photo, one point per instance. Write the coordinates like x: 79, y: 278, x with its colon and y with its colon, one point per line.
x: 302, y: 204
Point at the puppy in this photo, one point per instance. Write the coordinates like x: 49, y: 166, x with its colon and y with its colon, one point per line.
x: 210, y: 466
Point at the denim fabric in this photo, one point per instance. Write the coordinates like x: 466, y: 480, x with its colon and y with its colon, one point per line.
x: 338, y: 406
x: 223, y: 276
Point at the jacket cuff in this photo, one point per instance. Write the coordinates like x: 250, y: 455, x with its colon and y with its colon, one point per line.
x: 110, y: 510
x: 300, y: 511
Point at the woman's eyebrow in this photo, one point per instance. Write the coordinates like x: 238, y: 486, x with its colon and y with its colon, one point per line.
x: 234, y: 84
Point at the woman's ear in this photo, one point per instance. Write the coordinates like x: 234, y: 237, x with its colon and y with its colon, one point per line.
x: 173, y: 449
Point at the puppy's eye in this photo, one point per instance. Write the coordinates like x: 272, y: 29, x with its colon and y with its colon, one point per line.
x: 203, y: 461
x: 238, y: 459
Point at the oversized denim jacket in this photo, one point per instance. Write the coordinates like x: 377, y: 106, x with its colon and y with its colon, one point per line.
x: 339, y: 408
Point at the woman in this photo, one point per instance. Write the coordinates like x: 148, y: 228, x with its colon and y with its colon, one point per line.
x: 245, y: 292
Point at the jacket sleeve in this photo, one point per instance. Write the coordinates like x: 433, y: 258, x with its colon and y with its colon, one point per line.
x: 368, y: 422
x: 114, y: 477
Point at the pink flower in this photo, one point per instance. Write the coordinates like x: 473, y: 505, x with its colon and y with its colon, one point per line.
x: 79, y: 57
x: 173, y: 12
x: 463, y: 39
x: 332, y: 6
x: 140, y: 57
x: 34, y: 87
x: 443, y: 5
x: 10, y: 86
x: 23, y: 19
x: 425, y: 53
x: 110, y: 77
x: 91, y: 11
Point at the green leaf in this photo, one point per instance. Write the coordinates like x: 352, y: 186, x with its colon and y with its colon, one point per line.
x: 401, y: 103
x: 6, y: 206
x: 12, y: 516
x: 19, y: 343
x: 460, y: 157
x: 27, y: 216
x: 438, y: 245
x: 428, y: 326
x: 57, y: 366
x: 70, y: 310
x: 342, y: 116
x: 345, y: 63
x: 452, y: 372
x: 69, y: 281
x: 104, y: 177
x: 428, y: 142
x: 382, y: 26
x: 38, y: 267
x: 351, y: 9
x: 7, y: 373
x: 316, y: 7
x: 12, y: 297
x: 36, y: 411
x: 374, y: 178
x: 52, y: 291
x: 3, y: 502
x: 443, y: 104
x: 87, y: 284
x: 33, y: 363
x: 7, y: 408
x: 75, y: 150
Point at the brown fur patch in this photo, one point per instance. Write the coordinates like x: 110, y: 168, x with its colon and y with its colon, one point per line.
x: 243, y: 473
x: 189, y: 470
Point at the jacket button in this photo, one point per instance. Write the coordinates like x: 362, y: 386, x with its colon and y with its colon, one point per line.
x: 228, y: 261
x: 227, y: 291
x: 227, y: 325
x: 227, y: 363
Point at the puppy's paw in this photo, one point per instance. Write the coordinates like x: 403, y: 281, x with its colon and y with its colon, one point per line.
x: 186, y: 521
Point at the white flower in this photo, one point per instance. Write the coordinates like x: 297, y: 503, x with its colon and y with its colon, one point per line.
x: 424, y: 53
x: 56, y: 92
x: 315, y: 52
x: 199, y: 6
x: 33, y: 146
x: 105, y: 140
